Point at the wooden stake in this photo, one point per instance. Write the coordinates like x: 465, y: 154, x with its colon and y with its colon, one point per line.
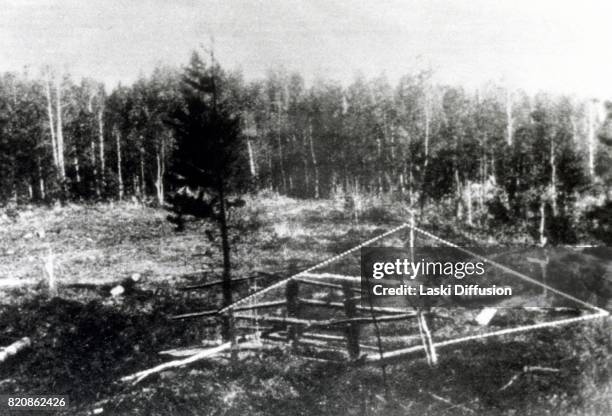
x: 428, y: 345
x: 50, y: 272
x: 293, y: 307
x: 352, y: 329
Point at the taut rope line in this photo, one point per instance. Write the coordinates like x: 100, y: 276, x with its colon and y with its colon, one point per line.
x: 514, y: 272
x: 312, y: 268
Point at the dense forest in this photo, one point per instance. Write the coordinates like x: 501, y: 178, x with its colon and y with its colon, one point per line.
x: 495, y: 155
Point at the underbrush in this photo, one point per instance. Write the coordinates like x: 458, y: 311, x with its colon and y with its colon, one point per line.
x: 83, y: 349
x: 83, y: 342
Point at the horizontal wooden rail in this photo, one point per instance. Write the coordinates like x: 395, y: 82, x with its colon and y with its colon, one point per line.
x: 201, y: 314
x: 323, y: 284
x: 326, y: 323
x: 339, y: 305
x: 263, y: 305
x: 330, y: 338
x: 321, y: 345
x: 218, y: 283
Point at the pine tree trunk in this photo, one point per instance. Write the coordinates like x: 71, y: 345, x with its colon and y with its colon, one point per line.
x: 227, y: 275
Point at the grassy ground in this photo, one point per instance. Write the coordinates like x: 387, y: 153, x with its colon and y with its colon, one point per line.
x: 84, y: 340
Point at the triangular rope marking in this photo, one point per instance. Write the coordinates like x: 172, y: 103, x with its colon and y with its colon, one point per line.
x: 513, y: 272
x: 600, y: 313
x: 312, y: 268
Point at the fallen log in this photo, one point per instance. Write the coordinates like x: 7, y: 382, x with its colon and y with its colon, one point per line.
x: 141, y: 375
x: 14, y: 348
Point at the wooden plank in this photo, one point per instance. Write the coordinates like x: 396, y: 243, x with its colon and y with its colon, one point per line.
x: 255, y: 327
x: 322, y: 303
x: 345, y: 278
x: 330, y: 338
x: 321, y: 345
x: 388, y: 357
x: 201, y: 314
x: 338, y: 305
x: 263, y: 305
x: 274, y: 319
x: 326, y: 323
x: 323, y: 337
x: 323, y: 284
x: 188, y: 352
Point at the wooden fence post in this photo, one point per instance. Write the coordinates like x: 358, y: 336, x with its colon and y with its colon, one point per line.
x: 292, y: 291
x: 352, y: 329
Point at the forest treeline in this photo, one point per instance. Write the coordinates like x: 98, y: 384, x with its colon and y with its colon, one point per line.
x: 494, y: 154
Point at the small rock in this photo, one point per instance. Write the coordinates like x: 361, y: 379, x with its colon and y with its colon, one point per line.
x: 117, y: 291
x: 167, y: 375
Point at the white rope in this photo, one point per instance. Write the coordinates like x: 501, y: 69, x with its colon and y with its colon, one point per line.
x: 332, y: 276
x: 310, y: 269
x: 600, y: 312
x: 514, y: 272
x: 521, y: 329
x: 502, y: 332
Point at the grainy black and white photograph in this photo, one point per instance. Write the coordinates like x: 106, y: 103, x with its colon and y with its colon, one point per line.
x: 305, y: 207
